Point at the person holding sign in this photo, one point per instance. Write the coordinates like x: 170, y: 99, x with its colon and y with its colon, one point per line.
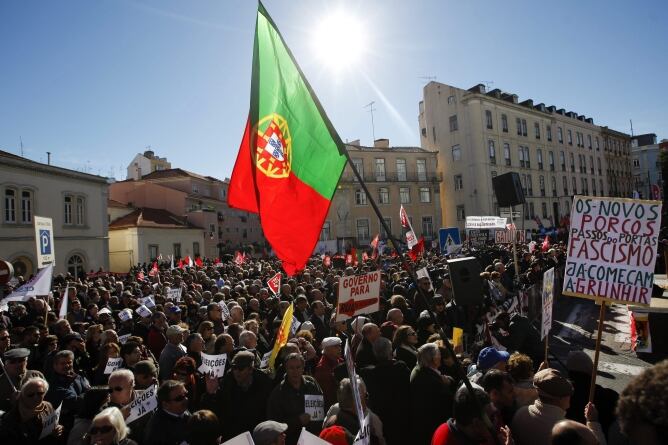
x: 121, y: 394
x: 24, y: 422
x: 109, y: 428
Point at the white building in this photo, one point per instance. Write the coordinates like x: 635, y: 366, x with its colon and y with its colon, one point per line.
x: 145, y: 163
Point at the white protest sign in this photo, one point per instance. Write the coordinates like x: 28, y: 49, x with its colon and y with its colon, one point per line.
x: 508, y: 236
x: 113, y: 364
x: 314, y: 406
x: 485, y: 222
x: 50, y: 423
x: 144, y: 403
x: 548, y: 299
x: 174, y: 294
x: 424, y: 273
x: 46, y: 253
x: 213, y: 364
x: 363, y: 436
x: 224, y: 309
x: 307, y: 438
x: 411, y: 239
x: 125, y: 315
x: 149, y: 302
x: 294, y: 327
x: 104, y: 310
x: 612, y: 249
x: 265, y: 360
x: 242, y: 439
x: 358, y: 294
x: 143, y: 311
x: 123, y: 338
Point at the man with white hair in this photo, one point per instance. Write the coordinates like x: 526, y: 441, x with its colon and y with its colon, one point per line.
x: 324, y: 370
x: 395, y: 316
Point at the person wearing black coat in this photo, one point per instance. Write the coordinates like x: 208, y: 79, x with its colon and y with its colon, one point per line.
x: 364, y: 355
x: 431, y: 397
x: 388, y: 383
x: 168, y: 426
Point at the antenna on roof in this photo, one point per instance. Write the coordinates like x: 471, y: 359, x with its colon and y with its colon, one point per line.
x: 371, y: 110
x: 631, y: 120
x: 21, y: 139
x: 429, y: 78
x: 487, y: 84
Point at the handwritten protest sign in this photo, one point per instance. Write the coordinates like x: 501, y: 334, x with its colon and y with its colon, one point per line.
x: 224, y: 309
x: 507, y: 236
x: 314, y: 406
x: 123, y: 338
x: 358, y: 294
x: 144, y: 403
x: 50, y: 423
x: 485, y: 222
x: 548, y: 299
x: 149, y: 302
x: 125, y: 314
x: 213, y: 364
x: 477, y: 237
x: 612, y: 249
x: 113, y: 364
x: 174, y: 294
x: 143, y: 311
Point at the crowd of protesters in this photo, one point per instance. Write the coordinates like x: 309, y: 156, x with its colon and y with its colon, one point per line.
x: 410, y: 385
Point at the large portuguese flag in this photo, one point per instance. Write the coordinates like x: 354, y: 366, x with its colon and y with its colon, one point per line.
x: 291, y: 158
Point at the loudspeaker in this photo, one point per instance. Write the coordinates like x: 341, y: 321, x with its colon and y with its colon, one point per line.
x: 466, y: 282
x: 508, y: 189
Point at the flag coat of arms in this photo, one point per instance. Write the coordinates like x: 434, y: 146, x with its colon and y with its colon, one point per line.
x: 291, y: 158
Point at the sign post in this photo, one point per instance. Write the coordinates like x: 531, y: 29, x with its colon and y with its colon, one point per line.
x: 548, y: 300
x: 46, y: 253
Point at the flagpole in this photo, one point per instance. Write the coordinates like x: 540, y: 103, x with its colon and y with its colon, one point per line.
x: 420, y: 292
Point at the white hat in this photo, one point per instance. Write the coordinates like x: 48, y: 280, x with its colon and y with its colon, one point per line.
x: 330, y: 341
x: 307, y: 326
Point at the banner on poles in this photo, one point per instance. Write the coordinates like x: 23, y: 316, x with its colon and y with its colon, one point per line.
x: 548, y: 300
x: 358, y: 294
x: 612, y: 249
x: 507, y: 236
x: 213, y: 364
x: 485, y: 222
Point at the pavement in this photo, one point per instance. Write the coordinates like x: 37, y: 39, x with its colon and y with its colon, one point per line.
x: 575, y: 325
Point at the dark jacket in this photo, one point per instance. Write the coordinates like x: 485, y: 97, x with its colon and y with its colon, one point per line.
x: 14, y: 431
x: 431, y: 404
x: 406, y: 355
x: 364, y: 355
x: 165, y: 429
x: 69, y: 392
x: 321, y: 330
x: 286, y: 404
x: 388, y: 384
x: 138, y: 426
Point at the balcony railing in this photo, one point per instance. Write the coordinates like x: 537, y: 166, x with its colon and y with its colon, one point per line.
x: 393, y: 177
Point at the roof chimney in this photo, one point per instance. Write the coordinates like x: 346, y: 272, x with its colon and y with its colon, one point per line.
x: 381, y: 143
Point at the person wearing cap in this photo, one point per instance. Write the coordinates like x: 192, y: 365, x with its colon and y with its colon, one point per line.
x: 172, y: 351
x: 240, y: 400
x: 533, y: 424
x: 15, y: 361
x: 488, y: 358
x: 286, y: 402
x: 270, y: 432
x: 324, y: 370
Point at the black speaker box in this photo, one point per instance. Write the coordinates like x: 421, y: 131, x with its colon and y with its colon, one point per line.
x: 466, y: 282
x: 508, y: 189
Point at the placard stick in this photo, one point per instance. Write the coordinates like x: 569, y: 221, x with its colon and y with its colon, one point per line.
x: 547, y: 337
x: 601, y: 318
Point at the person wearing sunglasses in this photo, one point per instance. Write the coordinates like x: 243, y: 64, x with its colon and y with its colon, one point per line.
x: 109, y: 428
x: 121, y: 393
x: 168, y: 426
x: 404, y: 344
x: 23, y: 423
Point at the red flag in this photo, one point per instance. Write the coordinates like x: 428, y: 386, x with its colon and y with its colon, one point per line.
x: 154, y: 270
x: 403, y: 217
x: 374, y: 241
x: 216, y: 261
x: 365, y: 257
x: 546, y: 244
x: 417, y: 250
x: 140, y: 275
x: 274, y: 283
x: 181, y: 264
x: 238, y: 258
x: 327, y: 261
x: 199, y: 262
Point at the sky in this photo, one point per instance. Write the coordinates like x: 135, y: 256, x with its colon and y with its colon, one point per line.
x: 96, y: 82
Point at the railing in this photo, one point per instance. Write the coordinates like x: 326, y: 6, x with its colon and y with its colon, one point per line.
x: 393, y: 177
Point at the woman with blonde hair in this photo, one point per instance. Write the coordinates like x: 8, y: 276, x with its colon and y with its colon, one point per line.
x: 108, y: 428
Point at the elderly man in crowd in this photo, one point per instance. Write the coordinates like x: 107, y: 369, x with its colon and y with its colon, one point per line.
x: 172, y: 351
x: 168, y: 424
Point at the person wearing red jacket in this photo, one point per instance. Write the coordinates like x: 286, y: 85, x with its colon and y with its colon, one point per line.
x: 324, y: 370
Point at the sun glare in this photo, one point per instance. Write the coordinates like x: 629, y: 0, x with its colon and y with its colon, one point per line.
x: 339, y: 41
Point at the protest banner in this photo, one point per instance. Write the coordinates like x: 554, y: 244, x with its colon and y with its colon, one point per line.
x: 477, y: 237
x: 424, y: 273
x: 358, y: 294
x: 50, y: 422
x: 314, y: 406
x: 548, y: 301
x: 113, y: 364
x: 40, y: 284
x: 174, y: 294
x: 507, y: 236
x: 149, y: 302
x: 308, y: 438
x: 144, y: 403
x: 143, y: 311
x: 274, y: 283
x: 213, y: 364
x: 485, y: 222
x: 122, y: 339
x: 224, y: 309
x: 244, y: 438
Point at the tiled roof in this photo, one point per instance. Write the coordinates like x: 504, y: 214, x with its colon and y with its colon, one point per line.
x: 22, y: 162
x: 114, y: 203
x: 176, y: 173
x: 148, y: 217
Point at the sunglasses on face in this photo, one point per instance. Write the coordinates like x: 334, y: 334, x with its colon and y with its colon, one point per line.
x: 180, y: 398
x: 101, y: 429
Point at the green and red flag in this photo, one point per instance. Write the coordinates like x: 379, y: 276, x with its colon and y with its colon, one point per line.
x: 291, y: 158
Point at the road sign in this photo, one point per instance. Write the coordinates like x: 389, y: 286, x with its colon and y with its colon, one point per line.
x: 46, y: 252
x: 449, y: 239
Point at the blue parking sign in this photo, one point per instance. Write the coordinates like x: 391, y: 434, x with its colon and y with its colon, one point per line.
x: 45, y: 241
x: 448, y: 239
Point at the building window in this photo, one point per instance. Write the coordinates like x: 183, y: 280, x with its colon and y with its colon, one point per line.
x: 362, y: 231
x: 383, y: 195
x: 360, y: 197
x: 456, y: 153
x: 550, y: 158
x: 572, y: 159
x: 504, y: 123
x: 593, y: 186
x: 453, y: 123
x: 541, y: 184
x: 570, y: 137
x: 527, y: 161
x: 492, y: 151
x: 600, y: 183
x: 520, y: 153
x: 421, y: 165
x: 195, y: 249
x: 536, y: 129
x: 548, y: 131
x: 506, y: 152
x: 459, y: 182
x: 68, y: 210
x: 26, y: 207
x: 10, y: 206
x: 543, y: 208
x: 76, y: 267
x: 195, y: 188
x: 562, y: 160
x: 451, y: 100
x: 591, y: 164
x: 529, y: 185
x: 488, y: 119
x: 554, y: 186
x: 401, y: 169
x: 560, y: 135
x: 177, y: 250
x: 359, y: 166
x: 404, y: 195
x: 574, y: 185
x: 461, y: 213
x: 636, y: 162
x: 598, y: 165
x: 518, y: 123
x: 383, y: 233
x: 380, y: 169
x: 425, y: 194
x: 598, y: 146
x: 564, y: 182
x: 539, y: 158
x: 152, y: 252
x: 325, y: 231
x: 81, y: 211
x: 524, y: 127
x: 583, y: 185
x: 589, y: 141
x: 427, y: 227
x: 532, y: 212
